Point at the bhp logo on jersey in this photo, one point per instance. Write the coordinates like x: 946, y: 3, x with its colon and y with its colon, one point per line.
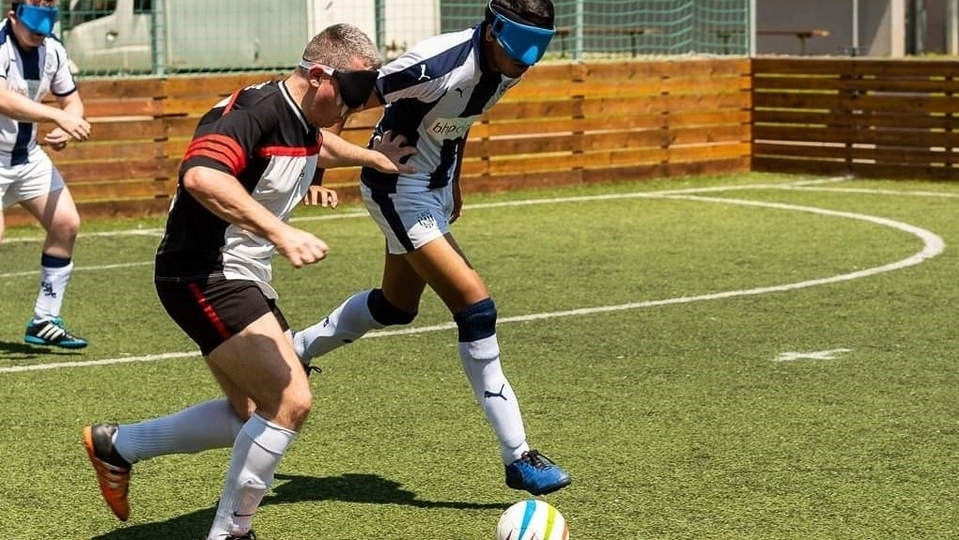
x: 450, y: 128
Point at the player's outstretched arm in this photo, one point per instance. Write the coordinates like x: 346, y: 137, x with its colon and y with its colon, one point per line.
x: 384, y: 156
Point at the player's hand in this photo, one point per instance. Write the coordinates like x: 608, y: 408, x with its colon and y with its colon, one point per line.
x: 457, y: 202
x: 393, y: 149
x: 57, y: 139
x: 319, y: 195
x: 300, y: 247
x: 74, y: 126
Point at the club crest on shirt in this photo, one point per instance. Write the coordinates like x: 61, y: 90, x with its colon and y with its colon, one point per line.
x: 426, y: 221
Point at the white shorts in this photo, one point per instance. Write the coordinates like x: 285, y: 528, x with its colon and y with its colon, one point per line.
x: 36, y: 177
x: 410, y: 220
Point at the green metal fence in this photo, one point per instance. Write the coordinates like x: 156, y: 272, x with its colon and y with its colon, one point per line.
x: 150, y: 37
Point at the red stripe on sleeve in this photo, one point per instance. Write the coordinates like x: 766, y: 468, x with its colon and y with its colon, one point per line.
x: 209, y: 312
x: 221, y: 148
x: 294, y: 151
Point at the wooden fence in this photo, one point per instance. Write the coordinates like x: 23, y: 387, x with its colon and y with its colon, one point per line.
x: 861, y: 117
x: 565, y: 124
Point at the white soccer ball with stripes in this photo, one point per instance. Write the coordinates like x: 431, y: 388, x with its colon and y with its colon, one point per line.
x: 532, y: 520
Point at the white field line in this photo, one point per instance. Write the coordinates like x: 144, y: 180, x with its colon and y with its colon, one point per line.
x: 933, y: 245
x: 347, y: 215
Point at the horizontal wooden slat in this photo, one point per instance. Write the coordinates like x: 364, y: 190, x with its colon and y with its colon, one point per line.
x: 110, y: 151
x: 112, y: 171
x: 879, y: 154
x: 837, y: 134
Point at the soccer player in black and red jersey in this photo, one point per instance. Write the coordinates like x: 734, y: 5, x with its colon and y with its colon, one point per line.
x: 252, y: 159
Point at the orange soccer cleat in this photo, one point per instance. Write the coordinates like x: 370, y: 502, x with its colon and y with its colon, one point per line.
x: 113, y: 472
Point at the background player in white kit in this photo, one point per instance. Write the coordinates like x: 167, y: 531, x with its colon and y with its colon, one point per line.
x: 32, y: 63
x: 433, y: 94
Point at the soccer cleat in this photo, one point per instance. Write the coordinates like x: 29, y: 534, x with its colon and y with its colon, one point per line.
x: 113, y: 472
x: 51, y: 333
x: 248, y: 536
x: 536, y: 474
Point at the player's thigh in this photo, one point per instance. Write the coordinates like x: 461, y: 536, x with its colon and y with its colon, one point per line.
x: 238, y: 399
x: 260, y: 362
x: 401, y: 285
x: 448, y: 273
x: 232, y: 321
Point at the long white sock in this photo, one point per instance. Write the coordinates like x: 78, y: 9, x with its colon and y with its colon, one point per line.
x: 253, y: 463
x: 346, y: 324
x: 493, y: 392
x: 211, y: 424
x: 54, y: 274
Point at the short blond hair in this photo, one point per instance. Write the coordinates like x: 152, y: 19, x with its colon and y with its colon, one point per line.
x: 338, y: 45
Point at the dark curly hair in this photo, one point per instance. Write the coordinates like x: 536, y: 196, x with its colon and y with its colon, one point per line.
x: 532, y: 12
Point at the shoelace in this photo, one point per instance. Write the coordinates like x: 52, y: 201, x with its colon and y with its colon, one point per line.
x: 309, y: 370
x: 534, y: 458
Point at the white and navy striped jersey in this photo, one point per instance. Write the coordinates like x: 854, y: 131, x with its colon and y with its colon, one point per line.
x: 261, y: 137
x: 433, y: 94
x: 30, y: 73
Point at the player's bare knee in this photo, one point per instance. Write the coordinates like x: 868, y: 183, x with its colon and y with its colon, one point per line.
x: 63, y: 230
x: 384, y: 312
x: 295, y: 408
x: 475, y: 324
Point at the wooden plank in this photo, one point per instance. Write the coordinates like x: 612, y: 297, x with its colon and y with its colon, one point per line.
x: 894, y: 120
x: 113, y: 191
x: 925, y: 85
x: 141, y: 107
x: 708, y: 118
x: 532, y: 109
x: 880, y: 154
x: 524, y: 145
x: 110, y: 151
x: 912, y: 67
x: 119, y: 88
x: 882, y: 137
x: 789, y: 100
x: 543, y: 162
x: 106, y: 172
x: 766, y: 66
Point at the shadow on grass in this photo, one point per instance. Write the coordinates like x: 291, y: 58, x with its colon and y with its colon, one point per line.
x: 352, y: 487
x: 17, y: 350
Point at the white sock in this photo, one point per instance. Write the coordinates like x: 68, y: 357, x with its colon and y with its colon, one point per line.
x: 53, y: 284
x: 211, y: 424
x: 253, y: 463
x: 345, y: 325
x: 493, y: 392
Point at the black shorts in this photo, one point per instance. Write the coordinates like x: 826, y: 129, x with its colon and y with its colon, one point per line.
x: 212, y: 310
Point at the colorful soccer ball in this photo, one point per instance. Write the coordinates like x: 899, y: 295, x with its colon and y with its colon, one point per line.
x: 532, y: 520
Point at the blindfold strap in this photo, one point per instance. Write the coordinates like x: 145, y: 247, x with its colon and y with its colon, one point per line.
x: 356, y: 87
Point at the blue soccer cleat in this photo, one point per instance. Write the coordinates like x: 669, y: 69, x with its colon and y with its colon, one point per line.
x: 51, y: 333
x: 536, y: 474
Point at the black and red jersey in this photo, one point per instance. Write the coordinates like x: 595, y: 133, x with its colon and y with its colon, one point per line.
x: 260, y: 136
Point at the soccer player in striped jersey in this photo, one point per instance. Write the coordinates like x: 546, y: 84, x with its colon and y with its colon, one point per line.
x: 433, y: 93
x: 32, y: 64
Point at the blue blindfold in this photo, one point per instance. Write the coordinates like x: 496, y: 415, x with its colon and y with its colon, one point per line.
x: 522, y: 42
x: 36, y: 19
